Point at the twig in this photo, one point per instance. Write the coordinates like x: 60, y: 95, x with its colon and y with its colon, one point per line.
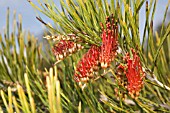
x: 154, y: 79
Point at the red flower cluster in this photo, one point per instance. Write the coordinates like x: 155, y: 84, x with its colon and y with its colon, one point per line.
x: 134, y: 73
x: 109, y: 43
x: 103, y: 54
x: 87, y: 65
x: 65, y: 48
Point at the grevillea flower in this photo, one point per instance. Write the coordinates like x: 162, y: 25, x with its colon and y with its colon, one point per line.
x: 109, y: 43
x: 134, y: 73
x: 87, y: 65
x: 103, y: 54
x: 61, y: 37
x: 65, y: 48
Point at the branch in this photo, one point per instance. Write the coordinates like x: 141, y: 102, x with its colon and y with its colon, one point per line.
x: 154, y: 79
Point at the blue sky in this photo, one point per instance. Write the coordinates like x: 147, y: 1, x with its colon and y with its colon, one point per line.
x: 28, y: 15
x: 34, y: 26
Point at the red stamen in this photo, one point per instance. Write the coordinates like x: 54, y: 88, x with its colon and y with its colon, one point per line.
x: 134, y: 73
x: 87, y: 65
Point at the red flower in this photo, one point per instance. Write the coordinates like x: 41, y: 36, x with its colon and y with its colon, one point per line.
x: 109, y: 43
x: 103, y: 54
x: 134, y: 73
x: 88, y: 64
x: 65, y: 48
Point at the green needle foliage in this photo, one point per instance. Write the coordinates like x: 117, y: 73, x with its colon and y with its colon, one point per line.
x: 27, y: 86
x: 18, y: 51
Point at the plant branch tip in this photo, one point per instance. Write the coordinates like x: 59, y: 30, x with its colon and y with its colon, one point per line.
x: 38, y: 18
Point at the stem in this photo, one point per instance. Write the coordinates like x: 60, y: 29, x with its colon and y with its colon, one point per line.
x: 161, y: 84
x: 154, y: 79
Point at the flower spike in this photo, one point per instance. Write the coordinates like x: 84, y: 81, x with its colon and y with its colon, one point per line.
x: 88, y: 65
x: 65, y: 48
x: 109, y: 43
x: 134, y: 73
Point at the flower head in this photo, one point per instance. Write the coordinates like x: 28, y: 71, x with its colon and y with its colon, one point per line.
x: 134, y: 73
x: 88, y: 64
x: 109, y: 43
x: 65, y: 48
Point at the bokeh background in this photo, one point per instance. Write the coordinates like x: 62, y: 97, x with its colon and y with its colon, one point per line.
x: 30, y: 23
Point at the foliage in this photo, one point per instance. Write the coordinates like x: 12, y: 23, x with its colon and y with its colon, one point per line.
x: 29, y: 92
